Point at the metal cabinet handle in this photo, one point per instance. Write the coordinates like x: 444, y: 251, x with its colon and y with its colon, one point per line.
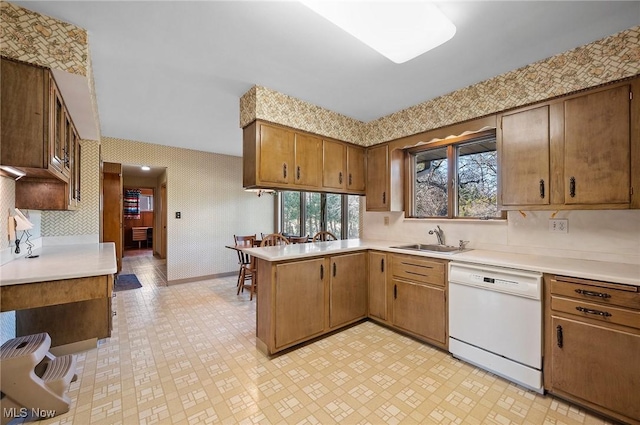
x: 384, y: 197
x: 321, y: 272
x: 334, y: 269
x: 395, y: 292
x: 284, y: 170
x: 593, y: 294
x: 572, y: 187
x: 298, y: 173
x: 559, y: 335
x: 541, y: 188
x: 595, y: 312
x: 350, y: 179
x: 382, y: 265
x: 340, y: 177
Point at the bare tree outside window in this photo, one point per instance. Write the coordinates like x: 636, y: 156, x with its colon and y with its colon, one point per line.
x: 431, y: 183
x: 478, y: 179
x: 475, y: 192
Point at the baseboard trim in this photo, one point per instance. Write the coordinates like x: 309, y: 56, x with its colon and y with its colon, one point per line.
x: 199, y: 278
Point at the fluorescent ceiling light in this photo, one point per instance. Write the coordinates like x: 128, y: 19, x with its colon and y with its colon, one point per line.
x: 400, y: 30
x: 145, y: 168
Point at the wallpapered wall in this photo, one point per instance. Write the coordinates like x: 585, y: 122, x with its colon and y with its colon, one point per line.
x: 612, y: 58
x: 206, y: 189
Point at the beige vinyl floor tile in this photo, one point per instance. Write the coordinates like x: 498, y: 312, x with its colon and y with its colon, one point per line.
x: 185, y: 354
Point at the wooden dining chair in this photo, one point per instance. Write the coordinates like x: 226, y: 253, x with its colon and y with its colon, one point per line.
x: 246, y: 269
x: 324, y: 236
x: 274, y: 239
x: 298, y: 239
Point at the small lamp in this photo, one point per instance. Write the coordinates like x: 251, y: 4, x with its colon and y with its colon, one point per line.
x: 23, y: 223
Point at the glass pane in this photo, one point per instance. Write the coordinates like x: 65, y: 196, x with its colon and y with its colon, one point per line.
x: 334, y: 214
x: 353, y: 223
x: 478, y: 179
x: 312, y: 216
x: 291, y: 213
x: 431, y: 183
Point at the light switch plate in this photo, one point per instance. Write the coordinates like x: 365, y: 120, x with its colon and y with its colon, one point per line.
x: 559, y: 225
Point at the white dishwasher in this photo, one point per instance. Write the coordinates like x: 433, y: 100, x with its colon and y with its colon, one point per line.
x: 495, y: 320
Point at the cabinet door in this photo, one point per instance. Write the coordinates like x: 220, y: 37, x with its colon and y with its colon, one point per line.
x: 57, y: 128
x: 378, y: 285
x: 355, y: 168
x: 308, y: 165
x: 377, y: 178
x: 597, y: 148
x: 596, y: 364
x: 23, y: 113
x: 419, y: 309
x: 276, y: 155
x: 299, y: 301
x: 333, y: 165
x: 348, y: 289
x: 525, y: 157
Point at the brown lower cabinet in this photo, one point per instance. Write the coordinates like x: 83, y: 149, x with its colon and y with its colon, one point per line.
x: 418, y: 297
x: 300, y: 300
x: 592, y: 345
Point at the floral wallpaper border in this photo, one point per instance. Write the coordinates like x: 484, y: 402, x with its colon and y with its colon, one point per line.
x: 609, y: 59
x: 31, y: 37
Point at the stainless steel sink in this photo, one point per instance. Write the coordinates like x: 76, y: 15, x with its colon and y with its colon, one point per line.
x: 442, y: 249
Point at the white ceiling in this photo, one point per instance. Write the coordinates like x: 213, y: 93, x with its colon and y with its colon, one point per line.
x: 172, y: 72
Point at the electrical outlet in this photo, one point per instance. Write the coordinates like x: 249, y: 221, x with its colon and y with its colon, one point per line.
x: 559, y: 225
x: 386, y: 220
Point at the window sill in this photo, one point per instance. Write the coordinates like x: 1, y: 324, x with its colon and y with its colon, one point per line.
x: 458, y: 220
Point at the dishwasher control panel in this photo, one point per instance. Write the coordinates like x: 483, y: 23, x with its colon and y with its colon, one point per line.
x: 518, y: 282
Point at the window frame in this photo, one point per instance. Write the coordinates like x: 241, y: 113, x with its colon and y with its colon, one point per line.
x: 451, y: 146
x: 344, y: 206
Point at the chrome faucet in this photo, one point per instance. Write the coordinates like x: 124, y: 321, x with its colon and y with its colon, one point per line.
x: 439, y: 234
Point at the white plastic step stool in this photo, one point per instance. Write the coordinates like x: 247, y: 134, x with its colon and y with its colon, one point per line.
x: 33, y: 378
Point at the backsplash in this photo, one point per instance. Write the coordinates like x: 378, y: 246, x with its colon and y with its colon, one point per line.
x: 609, y: 59
x: 606, y: 235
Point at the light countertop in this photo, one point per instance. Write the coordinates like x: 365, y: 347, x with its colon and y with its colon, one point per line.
x: 61, y: 262
x: 586, y: 269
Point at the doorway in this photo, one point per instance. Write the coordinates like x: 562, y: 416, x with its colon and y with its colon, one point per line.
x: 144, y: 211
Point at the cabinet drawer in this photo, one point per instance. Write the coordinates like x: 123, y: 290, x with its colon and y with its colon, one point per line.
x: 419, y: 270
x: 597, y: 292
x: 604, y: 313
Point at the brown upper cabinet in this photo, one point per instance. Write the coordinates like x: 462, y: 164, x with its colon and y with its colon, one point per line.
x: 384, y: 178
x: 282, y: 158
x: 39, y: 138
x: 571, y: 153
x: 343, y: 167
